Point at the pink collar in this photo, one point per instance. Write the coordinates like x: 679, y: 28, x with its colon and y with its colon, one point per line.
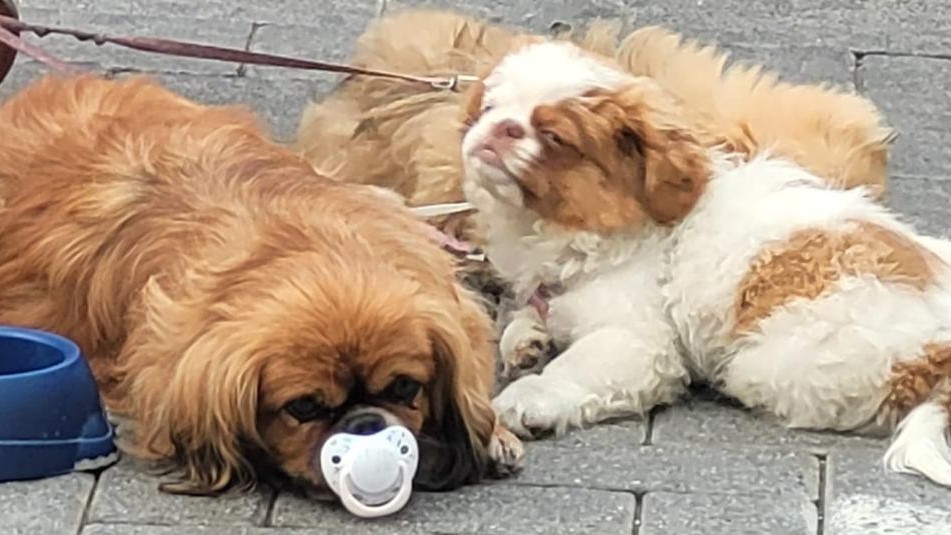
x: 540, y: 297
x: 456, y: 246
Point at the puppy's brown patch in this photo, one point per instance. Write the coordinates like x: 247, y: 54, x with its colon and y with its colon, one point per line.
x: 614, y: 160
x: 913, y: 382
x: 807, y: 264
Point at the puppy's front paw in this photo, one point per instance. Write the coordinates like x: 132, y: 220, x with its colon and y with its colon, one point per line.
x: 525, y: 349
x: 505, y: 452
x: 535, y: 405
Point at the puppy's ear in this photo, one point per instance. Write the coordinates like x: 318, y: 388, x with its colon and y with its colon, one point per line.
x: 454, y: 439
x: 676, y: 165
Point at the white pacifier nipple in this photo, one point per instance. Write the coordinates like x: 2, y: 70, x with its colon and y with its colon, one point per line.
x: 374, y: 471
x: 372, y: 474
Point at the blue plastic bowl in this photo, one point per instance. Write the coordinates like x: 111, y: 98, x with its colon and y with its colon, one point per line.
x: 51, y: 417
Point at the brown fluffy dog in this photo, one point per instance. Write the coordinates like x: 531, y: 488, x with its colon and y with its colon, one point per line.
x: 233, y: 304
x: 407, y: 138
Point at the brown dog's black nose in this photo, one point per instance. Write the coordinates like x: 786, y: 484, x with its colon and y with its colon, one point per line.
x: 363, y: 423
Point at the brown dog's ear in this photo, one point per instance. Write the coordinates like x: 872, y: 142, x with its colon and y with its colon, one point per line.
x: 200, y: 417
x: 676, y: 162
x: 454, y: 439
x: 210, y: 429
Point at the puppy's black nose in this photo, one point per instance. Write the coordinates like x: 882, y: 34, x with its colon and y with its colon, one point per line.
x: 365, y: 423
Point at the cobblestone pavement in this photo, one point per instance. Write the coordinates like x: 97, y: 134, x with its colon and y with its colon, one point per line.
x: 700, y: 468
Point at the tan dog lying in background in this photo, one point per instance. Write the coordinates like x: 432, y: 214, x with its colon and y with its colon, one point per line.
x: 234, y: 305
x: 405, y: 138
x: 410, y: 137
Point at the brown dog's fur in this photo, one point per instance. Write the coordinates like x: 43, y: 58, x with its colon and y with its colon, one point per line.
x: 211, y: 277
x: 408, y: 137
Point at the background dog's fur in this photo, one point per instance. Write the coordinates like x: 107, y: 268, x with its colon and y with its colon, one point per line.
x: 210, y: 275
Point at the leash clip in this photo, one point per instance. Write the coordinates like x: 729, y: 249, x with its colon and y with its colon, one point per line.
x: 452, y: 83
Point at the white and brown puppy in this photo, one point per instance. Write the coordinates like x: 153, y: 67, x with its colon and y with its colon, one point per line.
x: 405, y: 137
x: 670, y: 261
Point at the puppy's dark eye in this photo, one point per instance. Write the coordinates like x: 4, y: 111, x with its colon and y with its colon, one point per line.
x: 402, y: 390
x: 552, y: 138
x: 306, y: 409
x: 486, y: 109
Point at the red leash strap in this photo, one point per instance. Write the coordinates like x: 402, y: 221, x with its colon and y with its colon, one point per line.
x: 11, y: 43
x: 12, y: 25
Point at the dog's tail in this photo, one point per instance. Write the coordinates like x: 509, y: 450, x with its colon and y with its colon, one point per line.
x: 922, y: 444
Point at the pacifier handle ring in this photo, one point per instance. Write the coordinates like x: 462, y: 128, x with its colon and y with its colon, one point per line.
x: 373, y: 511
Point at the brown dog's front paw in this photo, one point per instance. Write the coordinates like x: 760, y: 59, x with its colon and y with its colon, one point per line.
x: 506, y: 453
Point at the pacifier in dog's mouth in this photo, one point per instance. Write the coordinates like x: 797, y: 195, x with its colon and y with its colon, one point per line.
x: 372, y: 474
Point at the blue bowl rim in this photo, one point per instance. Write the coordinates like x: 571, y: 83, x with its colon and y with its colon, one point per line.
x: 110, y: 434
x: 67, y: 347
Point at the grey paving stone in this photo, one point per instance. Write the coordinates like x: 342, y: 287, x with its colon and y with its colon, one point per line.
x: 484, y: 509
x: 800, y: 64
x: 910, y: 26
x: 537, y: 16
x: 862, y: 498
x: 278, y: 103
x: 263, y: 11
x: 913, y: 94
x: 839, y: 23
x: 893, y: 25
x: 173, y: 24
x: 924, y: 202
x: 707, y: 422
x: 609, y: 458
x: 132, y: 529
x: 887, y: 25
x: 22, y: 74
x: 53, y: 505
x: 329, y: 39
x: 128, y: 493
x: 876, y: 515
x: 703, y: 514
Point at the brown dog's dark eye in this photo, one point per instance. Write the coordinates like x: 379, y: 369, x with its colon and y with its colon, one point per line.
x: 402, y: 390
x: 306, y: 409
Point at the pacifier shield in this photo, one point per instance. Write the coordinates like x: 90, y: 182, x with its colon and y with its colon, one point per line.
x: 372, y: 474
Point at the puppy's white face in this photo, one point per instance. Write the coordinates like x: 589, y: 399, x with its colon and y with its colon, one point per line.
x: 579, y: 142
x: 507, y: 136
